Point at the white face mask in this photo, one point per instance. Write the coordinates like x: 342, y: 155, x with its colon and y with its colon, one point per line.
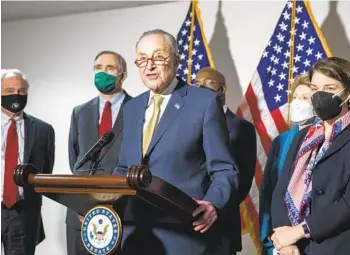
x: 300, y: 111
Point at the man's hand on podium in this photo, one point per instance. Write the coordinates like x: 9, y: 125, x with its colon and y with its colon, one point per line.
x: 207, y: 218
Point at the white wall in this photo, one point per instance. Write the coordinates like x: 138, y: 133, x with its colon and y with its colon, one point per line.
x: 57, y: 54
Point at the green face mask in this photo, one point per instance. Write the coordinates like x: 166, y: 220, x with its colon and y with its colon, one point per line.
x: 105, y: 82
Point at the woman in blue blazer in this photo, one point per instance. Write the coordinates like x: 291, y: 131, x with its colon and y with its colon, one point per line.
x: 311, y: 202
x: 301, y: 116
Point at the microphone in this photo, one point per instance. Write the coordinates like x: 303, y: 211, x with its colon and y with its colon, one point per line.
x: 96, y: 149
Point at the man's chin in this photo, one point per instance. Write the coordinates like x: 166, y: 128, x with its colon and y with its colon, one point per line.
x: 154, y: 86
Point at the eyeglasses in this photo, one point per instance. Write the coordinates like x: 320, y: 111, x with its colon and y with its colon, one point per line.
x: 209, y: 84
x: 158, y: 61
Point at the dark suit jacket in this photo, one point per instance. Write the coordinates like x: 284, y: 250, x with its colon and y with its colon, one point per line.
x: 243, y: 143
x: 329, y: 221
x: 83, y: 135
x: 189, y: 149
x: 39, y: 150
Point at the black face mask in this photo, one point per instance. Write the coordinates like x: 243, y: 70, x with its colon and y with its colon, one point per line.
x: 326, y: 105
x: 14, y: 103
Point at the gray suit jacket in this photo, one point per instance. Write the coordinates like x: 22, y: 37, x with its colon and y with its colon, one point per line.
x: 83, y: 135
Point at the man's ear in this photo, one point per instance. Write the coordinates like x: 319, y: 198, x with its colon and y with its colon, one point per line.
x: 124, y: 76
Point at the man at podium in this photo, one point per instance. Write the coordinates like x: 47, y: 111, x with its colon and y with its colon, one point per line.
x: 180, y: 133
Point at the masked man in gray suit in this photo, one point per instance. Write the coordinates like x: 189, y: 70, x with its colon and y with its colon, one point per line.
x: 92, y: 120
x: 24, y: 139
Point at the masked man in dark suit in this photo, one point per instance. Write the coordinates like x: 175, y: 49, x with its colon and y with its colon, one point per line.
x: 92, y: 120
x: 24, y: 139
x: 242, y: 139
x: 179, y: 131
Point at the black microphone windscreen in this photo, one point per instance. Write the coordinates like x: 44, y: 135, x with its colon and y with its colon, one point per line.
x: 108, y: 137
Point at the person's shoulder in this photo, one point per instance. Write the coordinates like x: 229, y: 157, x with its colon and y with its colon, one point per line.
x: 134, y: 101
x: 278, y: 139
x: 201, y: 99
x: 43, y: 125
x: 300, y: 134
x: 290, y: 138
x: 77, y: 109
x: 285, y: 134
x: 127, y: 97
x: 200, y: 93
x: 239, y: 121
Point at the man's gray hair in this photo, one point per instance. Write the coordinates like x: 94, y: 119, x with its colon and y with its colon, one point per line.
x: 120, y: 58
x: 171, y: 39
x: 8, y: 73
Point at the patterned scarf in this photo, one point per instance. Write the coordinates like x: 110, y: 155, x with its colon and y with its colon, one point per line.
x: 312, y: 149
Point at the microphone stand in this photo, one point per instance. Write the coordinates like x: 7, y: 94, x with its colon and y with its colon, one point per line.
x: 94, y: 163
x: 95, y: 160
x: 93, y: 167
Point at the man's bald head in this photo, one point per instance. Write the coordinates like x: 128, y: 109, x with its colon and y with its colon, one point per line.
x: 212, y: 79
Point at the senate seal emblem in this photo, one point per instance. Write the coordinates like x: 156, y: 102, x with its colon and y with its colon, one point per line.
x: 101, y: 230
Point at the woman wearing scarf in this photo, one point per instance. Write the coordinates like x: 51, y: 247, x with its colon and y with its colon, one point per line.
x: 311, y: 202
x: 301, y: 115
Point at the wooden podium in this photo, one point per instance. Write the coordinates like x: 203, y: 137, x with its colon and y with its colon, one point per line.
x: 96, y: 198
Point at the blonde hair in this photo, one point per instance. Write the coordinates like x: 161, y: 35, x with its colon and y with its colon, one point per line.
x: 300, y: 80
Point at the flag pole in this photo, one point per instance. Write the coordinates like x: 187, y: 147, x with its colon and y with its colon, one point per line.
x: 189, y: 64
x: 291, y: 58
x: 205, y: 41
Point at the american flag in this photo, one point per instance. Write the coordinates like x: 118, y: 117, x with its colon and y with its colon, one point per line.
x: 296, y: 44
x: 193, y: 46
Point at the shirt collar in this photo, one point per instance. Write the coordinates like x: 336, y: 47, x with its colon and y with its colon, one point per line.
x: 225, y: 108
x: 115, y: 99
x: 6, y: 119
x: 167, y: 92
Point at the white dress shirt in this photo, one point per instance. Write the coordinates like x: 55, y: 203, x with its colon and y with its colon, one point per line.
x: 225, y: 108
x: 5, y: 124
x: 150, y: 108
x: 116, y: 103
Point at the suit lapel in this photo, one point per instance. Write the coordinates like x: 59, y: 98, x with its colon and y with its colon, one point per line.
x: 338, y: 143
x: 108, y: 152
x: 117, y: 127
x: 140, y: 119
x: 29, y: 136
x: 118, y: 124
x: 92, y: 116
x: 175, y: 105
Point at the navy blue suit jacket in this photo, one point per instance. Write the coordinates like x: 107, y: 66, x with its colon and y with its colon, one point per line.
x: 189, y: 149
x: 329, y: 221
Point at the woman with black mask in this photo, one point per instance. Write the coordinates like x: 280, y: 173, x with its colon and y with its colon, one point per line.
x: 311, y: 202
